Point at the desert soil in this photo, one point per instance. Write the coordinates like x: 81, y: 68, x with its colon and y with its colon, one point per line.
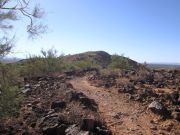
x: 122, y: 117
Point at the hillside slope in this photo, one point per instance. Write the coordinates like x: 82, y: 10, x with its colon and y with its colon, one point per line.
x: 101, y: 58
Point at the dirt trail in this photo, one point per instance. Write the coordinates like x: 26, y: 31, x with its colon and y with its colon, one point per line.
x: 123, y: 117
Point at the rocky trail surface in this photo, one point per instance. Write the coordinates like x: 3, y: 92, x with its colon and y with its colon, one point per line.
x: 122, y: 116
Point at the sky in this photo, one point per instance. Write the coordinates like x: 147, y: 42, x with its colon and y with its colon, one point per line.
x: 143, y: 30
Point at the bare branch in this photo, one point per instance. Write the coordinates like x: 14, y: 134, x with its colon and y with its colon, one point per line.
x: 37, y: 12
x: 36, y: 30
x: 9, y: 10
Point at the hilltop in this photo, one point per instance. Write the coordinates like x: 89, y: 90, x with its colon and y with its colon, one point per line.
x: 101, y: 58
x: 93, y: 58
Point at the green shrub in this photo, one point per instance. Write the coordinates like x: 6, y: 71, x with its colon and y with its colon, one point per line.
x: 81, y: 64
x: 41, y: 65
x: 119, y: 62
x: 35, y: 66
x: 9, y: 99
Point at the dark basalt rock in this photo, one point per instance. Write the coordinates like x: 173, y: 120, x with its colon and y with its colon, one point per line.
x: 174, y: 97
x: 88, y: 124
x: 158, y: 108
x: 101, y: 131
x: 58, y: 104
x: 72, y: 130
x: 176, y: 116
x: 127, y: 89
x: 83, y: 99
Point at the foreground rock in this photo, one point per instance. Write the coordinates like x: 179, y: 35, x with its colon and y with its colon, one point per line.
x: 176, y: 116
x: 158, y: 108
x: 58, y: 104
x: 84, y: 100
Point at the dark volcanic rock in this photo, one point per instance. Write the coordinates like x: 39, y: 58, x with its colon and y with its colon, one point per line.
x: 101, y: 131
x: 58, y: 104
x: 70, y: 73
x: 87, y: 102
x: 38, y: 110
x: 72, y: 130
x: 88, y: 124
x: 94, y: 127
x: 127, y: 89
x: 27, y: 91
x: 144, y: 94
x: 52, y: 125
x: 148, y: 92
x: 176, y: 115
x: 174, y: 97
x: 55, y: 130
x: 158, y: 108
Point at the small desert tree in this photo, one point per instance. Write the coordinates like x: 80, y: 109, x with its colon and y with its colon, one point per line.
x: 10, y: 11
x: 14, y: 10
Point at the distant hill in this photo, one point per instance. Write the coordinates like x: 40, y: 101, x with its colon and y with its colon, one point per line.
x: 163, y: 66
x: 9, y: 60
x: 100, y: 57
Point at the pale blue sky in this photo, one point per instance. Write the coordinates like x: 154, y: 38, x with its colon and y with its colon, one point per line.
x: 144, y: 30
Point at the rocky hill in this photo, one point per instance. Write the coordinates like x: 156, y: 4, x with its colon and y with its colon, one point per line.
x: 101, y: 58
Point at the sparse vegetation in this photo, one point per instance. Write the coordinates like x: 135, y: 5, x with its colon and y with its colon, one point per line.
x: 11, y: 11
x: 9, y: 99
x: 41, y: 65
x: 119, y: 62
x: 82, y: 64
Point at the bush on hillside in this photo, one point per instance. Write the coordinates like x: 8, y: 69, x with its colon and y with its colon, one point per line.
x: 119, y: 62
x: 41, y: 65
x: 81, y: 64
